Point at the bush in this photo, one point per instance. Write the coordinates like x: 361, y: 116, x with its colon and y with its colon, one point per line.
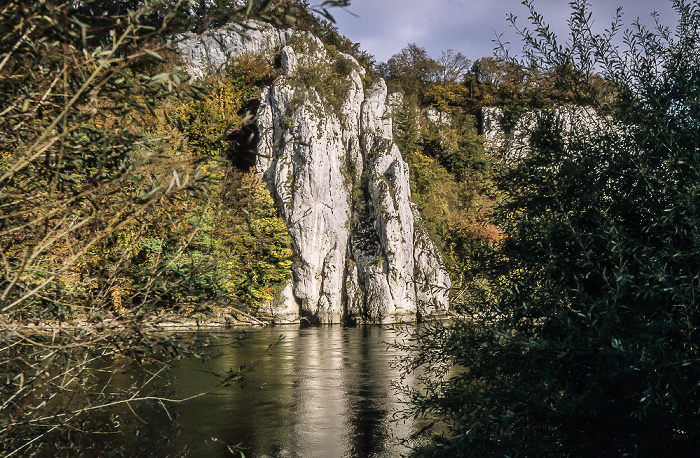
x: 590, y: 345
x: 253, y: 244
x: 330, y: 79
x: 102, y: 206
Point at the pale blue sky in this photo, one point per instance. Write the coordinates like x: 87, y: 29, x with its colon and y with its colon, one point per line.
x: 384, y: 27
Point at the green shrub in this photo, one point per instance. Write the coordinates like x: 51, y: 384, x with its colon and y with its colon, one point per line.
x: 586, y: 340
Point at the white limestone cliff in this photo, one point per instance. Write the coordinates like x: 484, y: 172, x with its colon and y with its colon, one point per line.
x: 327, y: 153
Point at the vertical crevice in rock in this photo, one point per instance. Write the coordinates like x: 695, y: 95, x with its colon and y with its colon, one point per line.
x: 245, y: 142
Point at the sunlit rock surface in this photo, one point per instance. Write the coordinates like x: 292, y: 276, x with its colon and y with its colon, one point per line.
x: 361, y: 253
x: 511, y: 140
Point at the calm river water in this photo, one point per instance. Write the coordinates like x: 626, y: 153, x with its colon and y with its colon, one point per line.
x: 321, y: 392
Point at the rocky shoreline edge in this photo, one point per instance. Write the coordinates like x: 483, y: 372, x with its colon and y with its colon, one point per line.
x: 169, y: 322
x: 165, y: 322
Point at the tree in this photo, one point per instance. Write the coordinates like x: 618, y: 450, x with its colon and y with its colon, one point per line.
x: 585, y: 340
x: 453, y: 66
x: 411, y: 70
x: 92, y: 179
x: 252, y: 240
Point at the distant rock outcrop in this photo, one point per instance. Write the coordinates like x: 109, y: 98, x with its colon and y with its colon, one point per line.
x: 512, y: 142
x: 327, y: 153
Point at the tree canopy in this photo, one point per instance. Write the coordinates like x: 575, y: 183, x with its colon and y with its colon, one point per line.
x: 585, y: 340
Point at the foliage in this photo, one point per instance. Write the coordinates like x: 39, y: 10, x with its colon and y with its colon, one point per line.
x: 75, y: 152
x: 410, y: 70
x: 450, y: 183
x: 446, y: 96
x: 252, y: 240
x: 210, y: 123
x: 241, y: 237
x: 107, y: 214
x: 248, y: 74
x: 455, y: 84
x: 585, y: 342
x: 405, y: 127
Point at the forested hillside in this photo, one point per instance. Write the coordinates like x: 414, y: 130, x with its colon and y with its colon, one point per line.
x: 437, y: 121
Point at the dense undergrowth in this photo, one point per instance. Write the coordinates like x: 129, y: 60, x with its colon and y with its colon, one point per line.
x: 581, y: 339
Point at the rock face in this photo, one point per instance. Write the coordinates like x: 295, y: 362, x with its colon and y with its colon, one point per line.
x: 327, y: 153
x: 206, y: 54
x: 514, y: 143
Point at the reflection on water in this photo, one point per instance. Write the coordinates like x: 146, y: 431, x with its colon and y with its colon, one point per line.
x: 322, y: 391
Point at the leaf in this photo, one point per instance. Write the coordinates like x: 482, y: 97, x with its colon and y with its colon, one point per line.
x: 160, y: 78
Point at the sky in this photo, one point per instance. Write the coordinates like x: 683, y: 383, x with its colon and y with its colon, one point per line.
x: 384, y: 27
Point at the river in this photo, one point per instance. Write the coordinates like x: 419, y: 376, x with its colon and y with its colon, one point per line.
x: 319, y: 392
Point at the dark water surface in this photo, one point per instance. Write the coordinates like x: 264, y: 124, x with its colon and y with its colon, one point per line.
x: 321, y: 392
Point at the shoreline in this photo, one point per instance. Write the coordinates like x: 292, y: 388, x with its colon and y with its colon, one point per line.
x: 167, y: 322
x: 173, y: 322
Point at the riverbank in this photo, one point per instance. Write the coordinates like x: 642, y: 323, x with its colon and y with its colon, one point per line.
x: 166, y: 321
x: 222, y: 319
